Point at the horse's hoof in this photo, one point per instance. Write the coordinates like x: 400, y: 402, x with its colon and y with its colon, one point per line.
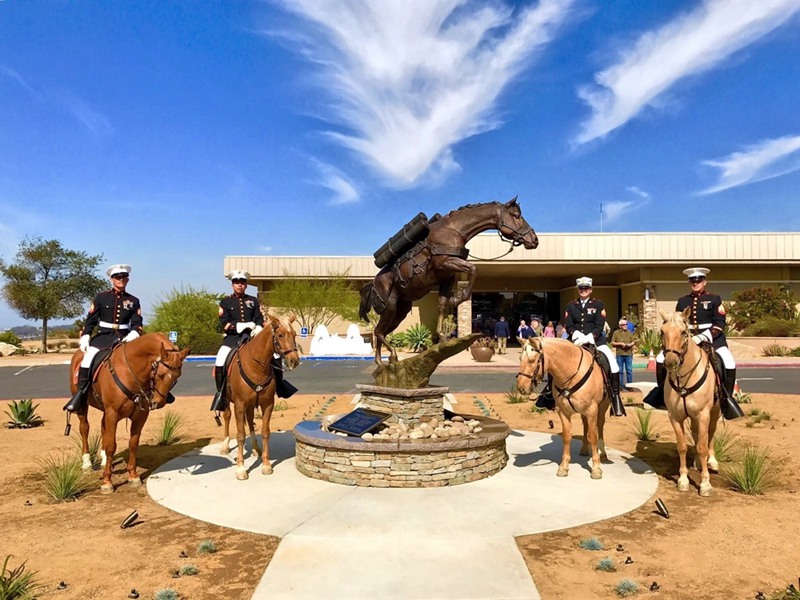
x: 241, y: 474
x: 107, y: 488
x: 597, y: 474
x: 562, y: 473
x: 224, y: 448
x: 135, y: 482
x: 266, y: 470
x: 683, y: 486
x: 705, y: 490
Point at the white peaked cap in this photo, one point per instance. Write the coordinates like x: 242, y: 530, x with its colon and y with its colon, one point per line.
x: 583, y: 281
x: 239, y: 274
x: 116, y: 269
x: 696, y: 272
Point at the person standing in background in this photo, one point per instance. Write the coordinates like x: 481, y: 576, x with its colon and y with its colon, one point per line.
x: 622, y: 341
x: 502, y: 332
x: 549, y: 331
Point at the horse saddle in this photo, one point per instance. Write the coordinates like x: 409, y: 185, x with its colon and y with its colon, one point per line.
x: 718, y: 366
x: 605, y: 368
x: 98, y: 360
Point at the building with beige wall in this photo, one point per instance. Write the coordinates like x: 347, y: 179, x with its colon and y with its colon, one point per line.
x: 635, y: 273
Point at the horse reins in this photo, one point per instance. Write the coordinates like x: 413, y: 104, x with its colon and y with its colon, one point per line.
x: 276, y: 349
x: 565, y: 392
x: 514, y: 241
x: 682, y: 390
x: 137, y: 397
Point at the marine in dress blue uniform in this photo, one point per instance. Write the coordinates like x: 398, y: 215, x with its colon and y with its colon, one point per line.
x: 117, y: 315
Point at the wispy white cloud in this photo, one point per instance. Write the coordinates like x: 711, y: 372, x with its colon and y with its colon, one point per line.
x: 408, y: 80
x: 613, y: 211
x: 690, y: 44
x: 764, y: 160
x: 341, y: 185
x: 638, y: 191
x: 265, y: 249
x: 78, y: 108
x: 17, y: 78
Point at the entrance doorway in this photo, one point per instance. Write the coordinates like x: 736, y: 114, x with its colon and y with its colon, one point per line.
x: 514, y: 306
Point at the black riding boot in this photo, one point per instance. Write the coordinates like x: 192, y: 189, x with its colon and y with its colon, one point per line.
x: 546, y: 399
x: 219, y: 403
x: 730, y: 408
x: 617, y: 407
x: 655, y: 397
x: 283, y: 388
x: 76, y: 402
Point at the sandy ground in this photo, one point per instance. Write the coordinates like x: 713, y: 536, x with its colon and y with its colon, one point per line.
x: 726, y: 546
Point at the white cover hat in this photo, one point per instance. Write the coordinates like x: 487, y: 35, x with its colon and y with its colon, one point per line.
x: 696, y: 272
x: 116, y: 269
x: 583, y: 281
x: 239, y: 274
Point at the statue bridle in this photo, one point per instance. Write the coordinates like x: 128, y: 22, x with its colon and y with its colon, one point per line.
x: 517, y: 234
x: 144, y: 397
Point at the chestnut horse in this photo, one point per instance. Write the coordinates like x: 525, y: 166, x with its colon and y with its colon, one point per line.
x: 435, y: 262
x: 136, y: 378
x: 578, y: 387
x: 251, y: 383
x: 689, y: 393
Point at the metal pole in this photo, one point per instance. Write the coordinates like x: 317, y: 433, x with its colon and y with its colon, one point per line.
x: 601, y: 217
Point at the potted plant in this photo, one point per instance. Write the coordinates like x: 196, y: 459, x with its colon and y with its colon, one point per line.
x: 482, y: 349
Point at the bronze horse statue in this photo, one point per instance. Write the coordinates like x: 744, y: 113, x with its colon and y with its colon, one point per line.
x: 436, y: 261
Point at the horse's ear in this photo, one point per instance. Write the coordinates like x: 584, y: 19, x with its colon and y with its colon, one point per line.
x: 184, y: 353
x: 292, y: 318
x: 664, y: 316
x: 521, y: 341
x: 687, y: 312
x: 162, y: 350
x: 513, y: 201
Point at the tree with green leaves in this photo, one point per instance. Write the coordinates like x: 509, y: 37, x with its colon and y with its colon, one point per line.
x: 754, y: 304
x: 47, y: 281
x: 315, y: 300
x: 193, y: 313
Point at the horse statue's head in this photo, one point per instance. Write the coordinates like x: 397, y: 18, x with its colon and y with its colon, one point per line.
x: 675, y: 338
x: 165, y: 371
x: 514, y: 227
x: 531, y: 365
x: 283, y: 335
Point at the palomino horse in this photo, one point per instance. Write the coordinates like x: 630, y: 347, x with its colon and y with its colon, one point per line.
x: 689, y: 393
x: 435, y: 262
x: 578, y: 387
x: 251, y: 382
x: 136, y: 378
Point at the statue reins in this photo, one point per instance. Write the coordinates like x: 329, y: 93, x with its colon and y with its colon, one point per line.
x: 565, y: 392
x: 267, y: 365
x: 676, y: 384
x: 146, y: 389
x: 514, y: 240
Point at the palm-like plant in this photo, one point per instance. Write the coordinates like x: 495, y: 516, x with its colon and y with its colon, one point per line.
x: 23, y: 414
x: 17, y: 584
x: 169, y: 433
x: 418, y: 338
x: 648, y: 340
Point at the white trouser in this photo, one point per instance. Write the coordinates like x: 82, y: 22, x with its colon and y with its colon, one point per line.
x: 87, y: 358
x: 222, y: 354
x: 612, y: 360
x: 724, y: 353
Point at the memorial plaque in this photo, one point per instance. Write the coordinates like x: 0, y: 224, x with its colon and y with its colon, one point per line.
x: 359, y: 422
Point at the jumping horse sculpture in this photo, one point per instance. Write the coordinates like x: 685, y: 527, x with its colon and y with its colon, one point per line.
x: 133, y: 380
x: 435, y: 262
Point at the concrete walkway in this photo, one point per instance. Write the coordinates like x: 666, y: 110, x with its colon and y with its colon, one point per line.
x: 447, y: 543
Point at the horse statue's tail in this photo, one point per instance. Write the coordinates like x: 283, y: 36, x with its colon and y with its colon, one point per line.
x: 365, y: 305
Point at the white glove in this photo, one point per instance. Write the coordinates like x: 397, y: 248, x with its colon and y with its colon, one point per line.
x: 131, y: 336
x: 258, y: 329
x: 83, y: 344
x: 581, y: 340
x: 698, y: 339
x: 576, y: 336
x: 240, y: 327
x: 588, y: 339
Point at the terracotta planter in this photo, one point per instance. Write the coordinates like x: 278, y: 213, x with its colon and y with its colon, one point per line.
x: 482, y: 353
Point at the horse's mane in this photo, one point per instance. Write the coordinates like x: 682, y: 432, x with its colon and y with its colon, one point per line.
x: 460, y: 208
x: 675, y: 320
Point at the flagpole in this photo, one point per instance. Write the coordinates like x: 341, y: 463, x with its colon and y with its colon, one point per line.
x: 601, y: 217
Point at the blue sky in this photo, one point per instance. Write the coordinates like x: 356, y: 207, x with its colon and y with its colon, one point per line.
x: 169, y: 134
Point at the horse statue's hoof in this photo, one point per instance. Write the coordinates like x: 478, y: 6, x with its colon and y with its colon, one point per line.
x: 597, y: 474
x: 562, y: 472
x: 135, y: 482
x: 107, y: 488
x: 241, y: 474
x: 266, y: 469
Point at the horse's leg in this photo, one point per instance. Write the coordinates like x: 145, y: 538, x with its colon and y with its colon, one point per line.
x: 138, y: 419
x: 456, y: 265
x: 238, y: 413
x: 266, y: 411
x: 591, y: 433
x: 713, y: 421
x: 445, y: 291
x: 103, y: 455
x: 701, y: 446
x: 110, y: 419
x: 83, y: 418
x: 251, y: 424
x: 381, y: 329
x: 680, y: 438
x: 586, y: 449
x: 566, y: 437
x: 225, y: 447
x: 399, y: 312
x: 602, y: 411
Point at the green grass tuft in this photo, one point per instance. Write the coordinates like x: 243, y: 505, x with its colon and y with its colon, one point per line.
x: 725, y: 443
x: 64, y: 477
x: 591, y: 544
x: 642, y: 425
x: 188, y: 570
x: 754, y: 475
x: 17, y: 584
x: 606, y: 564
x: 207, y: 547
x: 743, y: 397
x: 95, y: 445
x: 627, y: 587
x: 514, y: 396
x: 169, y: 431
x: 166, y: 594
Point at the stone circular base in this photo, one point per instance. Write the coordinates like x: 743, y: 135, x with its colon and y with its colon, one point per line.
x: 406, y: 463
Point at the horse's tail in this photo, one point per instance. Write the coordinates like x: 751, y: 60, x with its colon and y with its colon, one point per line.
x: 365, y: 305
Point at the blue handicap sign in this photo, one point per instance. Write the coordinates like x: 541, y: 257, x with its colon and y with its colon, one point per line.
x: 304, y: 332
x: 173, y: 336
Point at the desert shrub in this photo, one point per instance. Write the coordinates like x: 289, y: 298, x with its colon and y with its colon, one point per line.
x: 95, y: 445
x: 397, y: 339
x: 280, y: 405
x: 17, y: 584
x: 770, y: 326
x: 201, y: 343
x: 794, y: 352
x: 418, y: 338
x: 626, y: 587
x: 448, y: 327
x: 194, y: 314
x: 188, y: 570
x: 484, y: 342
x: 64, y: 478
x: 514, y: 396
x: 591, y: 544
x: 207, y: 547
x: 168, y: 432
x: 648, y: 340
x: 166, y: 594
x: 790, y: 592
x: 9, y: 337
x: 754, y: 475
x: 774, y: 350
x: 725, y: 442
x: 23, y: 414
x: 742, y: 397
x: 754, y: 304
x: 642, y: 425
x: 605, y: 564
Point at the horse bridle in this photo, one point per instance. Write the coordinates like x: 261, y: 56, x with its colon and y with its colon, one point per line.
x: 682, y: 390
x: 141, y: 395
x: 277, y: 350
x: 539, y: 365
x: 517, y: 234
